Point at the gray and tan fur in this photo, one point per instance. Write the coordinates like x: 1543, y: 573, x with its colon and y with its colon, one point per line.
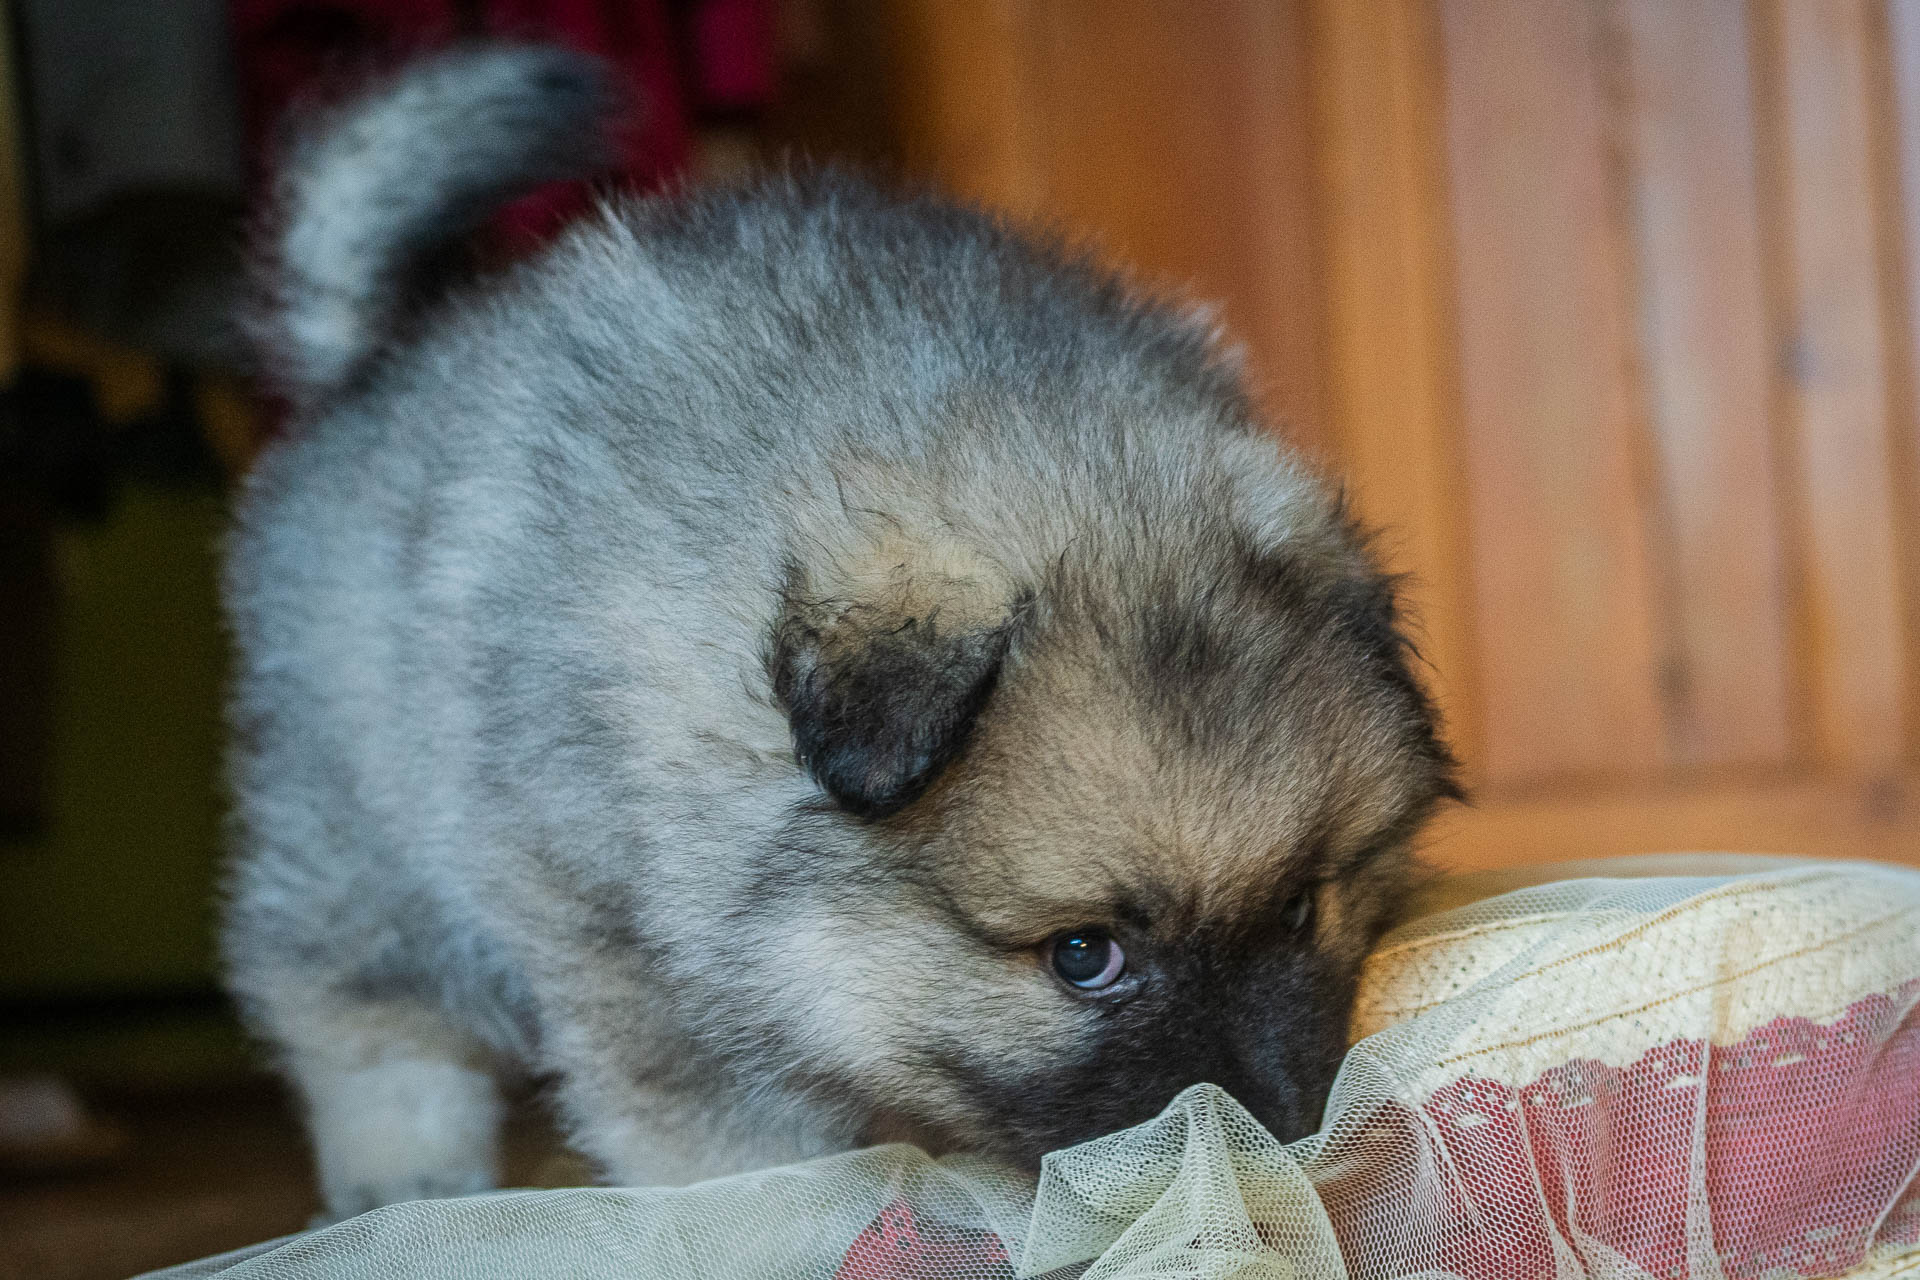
x: 709, y: 663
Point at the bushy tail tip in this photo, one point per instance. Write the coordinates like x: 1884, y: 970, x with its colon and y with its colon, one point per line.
x: 372, y: 189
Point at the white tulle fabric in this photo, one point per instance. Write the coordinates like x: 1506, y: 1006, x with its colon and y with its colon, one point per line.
x: 1675, y: 1077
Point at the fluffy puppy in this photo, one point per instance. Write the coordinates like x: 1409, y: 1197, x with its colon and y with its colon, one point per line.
x: 791, y: 665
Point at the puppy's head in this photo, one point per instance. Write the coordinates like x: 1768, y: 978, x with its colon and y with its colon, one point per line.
x: 1099, y: 826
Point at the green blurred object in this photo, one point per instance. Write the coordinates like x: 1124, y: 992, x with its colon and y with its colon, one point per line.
x: 115, y: 896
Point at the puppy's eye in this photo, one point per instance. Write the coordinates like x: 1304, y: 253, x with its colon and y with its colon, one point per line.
x: 1088, y: 959
x: 1298, y: 913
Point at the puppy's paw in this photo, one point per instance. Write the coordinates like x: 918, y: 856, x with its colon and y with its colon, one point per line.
x: 403, y: 1129
x: 352, y: 1200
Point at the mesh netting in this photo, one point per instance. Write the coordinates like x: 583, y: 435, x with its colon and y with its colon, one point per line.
x: 1677, y: 1077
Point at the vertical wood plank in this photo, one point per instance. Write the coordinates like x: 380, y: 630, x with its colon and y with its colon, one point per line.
x: 956, y: 85
x: 1391, y: 394
x: 1177, y: 137
x: 1563, y: 594
x: 1176, y: 140
x: 1832, y: 376
x: 1685, y: 94
x: 1899, y: 153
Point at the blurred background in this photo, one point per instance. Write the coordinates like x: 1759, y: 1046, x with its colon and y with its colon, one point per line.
x: 1607, y: 310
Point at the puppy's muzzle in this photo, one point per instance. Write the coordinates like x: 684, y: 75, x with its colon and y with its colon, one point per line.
x: 1282, y: 1067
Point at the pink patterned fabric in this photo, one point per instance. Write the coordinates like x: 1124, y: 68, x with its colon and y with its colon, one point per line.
x: 899, y: 1246
x: 1811, y: 1136
x: 1604, y: 1078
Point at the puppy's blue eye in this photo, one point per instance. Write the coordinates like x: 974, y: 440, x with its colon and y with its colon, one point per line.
x: 1088, y: 959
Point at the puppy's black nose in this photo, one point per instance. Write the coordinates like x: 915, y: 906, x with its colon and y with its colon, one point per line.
x: 1286, y: 1108
x: 1282, y: 1069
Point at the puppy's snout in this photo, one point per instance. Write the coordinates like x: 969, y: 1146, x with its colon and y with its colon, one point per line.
x: 1284, y: 1068
x: 1286, y: 1102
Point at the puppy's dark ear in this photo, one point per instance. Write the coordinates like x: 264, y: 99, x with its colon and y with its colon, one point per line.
x: 881, y: 698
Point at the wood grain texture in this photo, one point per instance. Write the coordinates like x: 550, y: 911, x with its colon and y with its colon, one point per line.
x: 1564, y: 598
x: 1832, y: 379
x: 1683, y: 92
x: 1607, y: 309
x: 955, y: 82
x: 1898, y: 155
x: 1786, y: 812
x: 1393, y: 404
x: 1176, y: 138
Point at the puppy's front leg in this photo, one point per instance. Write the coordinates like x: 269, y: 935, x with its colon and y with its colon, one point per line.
x: 401, y: 1105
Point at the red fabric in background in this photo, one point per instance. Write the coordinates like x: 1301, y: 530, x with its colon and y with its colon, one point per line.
x: 675, y: 60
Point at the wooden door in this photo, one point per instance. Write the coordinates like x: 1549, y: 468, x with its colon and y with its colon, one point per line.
x: 1605, y: 310
x: 1675, y: 546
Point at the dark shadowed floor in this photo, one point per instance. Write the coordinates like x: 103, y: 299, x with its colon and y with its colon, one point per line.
x: 191, y: 1172
x: 196, y: 1172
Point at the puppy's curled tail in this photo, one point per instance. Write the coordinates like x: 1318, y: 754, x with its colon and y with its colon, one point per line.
x: 364, y: 199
